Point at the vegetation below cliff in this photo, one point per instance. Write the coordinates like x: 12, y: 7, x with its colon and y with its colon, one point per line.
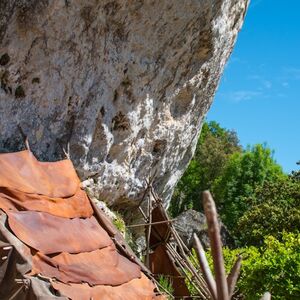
x: 258, y: 203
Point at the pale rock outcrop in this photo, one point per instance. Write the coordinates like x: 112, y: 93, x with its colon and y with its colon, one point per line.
x: 125, y: 83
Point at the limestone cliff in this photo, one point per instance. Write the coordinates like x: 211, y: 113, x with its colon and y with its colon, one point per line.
x: 125, y: 83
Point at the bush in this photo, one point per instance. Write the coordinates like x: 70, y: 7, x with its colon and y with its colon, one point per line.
x: 275, y: 208
x: 274, y: 267
x: 242, y: 175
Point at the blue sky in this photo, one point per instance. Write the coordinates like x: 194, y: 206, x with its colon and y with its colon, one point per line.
x: 259, y: 94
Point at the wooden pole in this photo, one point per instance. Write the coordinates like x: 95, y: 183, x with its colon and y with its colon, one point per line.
x: 205, y: 268
x: 216, y: 245
x: 143, y: 214
x: 148, y: 224
x: 182, y: 248
x: 234, y: 275
x: 149, y: 232
x: 184, y: 266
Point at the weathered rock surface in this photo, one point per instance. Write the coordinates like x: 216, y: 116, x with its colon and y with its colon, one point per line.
x: 191, y: 221
x: 126, y: 83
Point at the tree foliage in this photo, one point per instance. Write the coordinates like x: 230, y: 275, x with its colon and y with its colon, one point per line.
x: 275, y: 208
x: 233, y: 175
x: 214, y: 148
x: 273, y: 267
x: 243, y: 173
x: 259, y: 204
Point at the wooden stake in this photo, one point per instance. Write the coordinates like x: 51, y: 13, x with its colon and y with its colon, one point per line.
x: 234, y: 275
x: 182, y: 263
x: 182, y: 247
x: 205, y: 268
x: 216, y: 245
x: 149, y: 231
x: 143, y: 214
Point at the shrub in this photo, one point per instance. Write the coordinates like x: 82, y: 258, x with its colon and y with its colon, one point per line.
x: 243, y: 173
x: 274, y: 267
x: 275, y: 208
x: 166, y: 283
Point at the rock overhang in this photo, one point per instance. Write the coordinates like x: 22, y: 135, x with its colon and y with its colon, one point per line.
x: 125, y: 85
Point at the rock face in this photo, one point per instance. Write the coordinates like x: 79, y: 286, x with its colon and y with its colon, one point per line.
x: 191, y: 221
x: 125, y: 84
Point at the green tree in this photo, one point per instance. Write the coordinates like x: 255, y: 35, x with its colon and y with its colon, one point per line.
x: 242, y: 174
x: 296, y: 174
x: 213, y: 150
x: 253, y: 195
x: 275, y: 208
